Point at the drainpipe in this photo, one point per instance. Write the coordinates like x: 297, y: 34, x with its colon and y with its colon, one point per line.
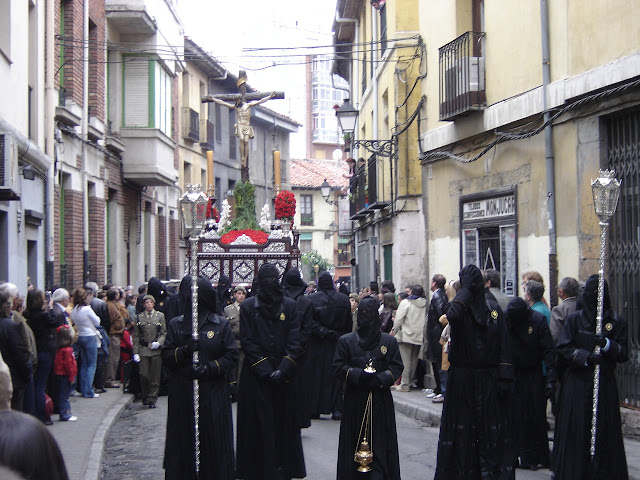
x: 167, y: 242
x: 85, y: 164
x: 550, y: 161
x: 50, y: 144
x: 376, y: 133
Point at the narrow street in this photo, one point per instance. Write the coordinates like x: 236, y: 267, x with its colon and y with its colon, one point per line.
x: 134, y: 447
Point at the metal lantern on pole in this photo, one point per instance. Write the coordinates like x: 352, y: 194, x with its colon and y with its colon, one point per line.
x: 193, y: 205
x: 606, y: 190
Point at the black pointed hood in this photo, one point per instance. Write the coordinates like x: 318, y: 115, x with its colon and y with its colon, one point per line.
x: 368, y: 330
x: 292, y: 284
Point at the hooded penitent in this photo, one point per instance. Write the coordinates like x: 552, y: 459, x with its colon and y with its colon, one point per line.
x: 292, y: 285
x: 206, y: 298
x: 156, y: 288
x: 269, y: 290
x: 368, y: 324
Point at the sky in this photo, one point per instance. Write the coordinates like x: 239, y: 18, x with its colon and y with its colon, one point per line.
x: 229, y: 30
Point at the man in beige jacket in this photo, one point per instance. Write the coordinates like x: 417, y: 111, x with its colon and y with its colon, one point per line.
x: 408, y: 329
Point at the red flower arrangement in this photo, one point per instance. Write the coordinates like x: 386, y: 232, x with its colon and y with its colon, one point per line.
x: 257, y: 236
x: 285, y: 205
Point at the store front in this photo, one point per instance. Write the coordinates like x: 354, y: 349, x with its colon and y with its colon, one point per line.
x: 489, y: 234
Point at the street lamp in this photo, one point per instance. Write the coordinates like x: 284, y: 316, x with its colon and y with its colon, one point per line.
x: 333, y: 228
x: 193, y: 205
x: 325, y: 189
x: 606, y: 190
x: 347, y: 117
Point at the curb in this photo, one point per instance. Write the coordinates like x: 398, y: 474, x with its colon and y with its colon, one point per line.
x: 94, y: 462
x: 427, y: 417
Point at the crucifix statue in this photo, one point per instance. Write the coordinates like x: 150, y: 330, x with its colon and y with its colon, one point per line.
x: 243, y: 102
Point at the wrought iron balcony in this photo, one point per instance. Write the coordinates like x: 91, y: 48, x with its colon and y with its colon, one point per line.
x: 190, y: 125
x: 462, y: 75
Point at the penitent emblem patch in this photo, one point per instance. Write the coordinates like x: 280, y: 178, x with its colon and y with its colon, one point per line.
x: 494, y: 314
x: 530, y: 330
x: 383, y: 349
x: 608, y: 327
x: 282, y: 316
x: 210, y: 334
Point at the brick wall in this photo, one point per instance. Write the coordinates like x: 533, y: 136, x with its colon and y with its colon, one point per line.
x: 174, y: 248
x: 161, y: 246
x: 97, y: 253
x: 73, y: 238
x: 97, y: 57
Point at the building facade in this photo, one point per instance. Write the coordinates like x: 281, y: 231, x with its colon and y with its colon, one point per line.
x: 26, y: 145
x: 380, y: 52
x: 323, y: 223
x: 510, y: 144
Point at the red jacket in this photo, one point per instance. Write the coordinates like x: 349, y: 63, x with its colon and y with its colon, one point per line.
x: 65, y: 363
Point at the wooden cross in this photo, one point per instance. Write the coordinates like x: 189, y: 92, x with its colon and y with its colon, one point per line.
x: 242, y: 103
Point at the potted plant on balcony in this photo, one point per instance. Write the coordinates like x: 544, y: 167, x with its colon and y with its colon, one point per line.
x: 285, y: 208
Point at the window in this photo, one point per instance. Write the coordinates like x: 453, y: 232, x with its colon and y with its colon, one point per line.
x: 5, y: 28
x: 147, y: 94
x: 306, y: 212
x: 383, y: 29
x: 305, y: 246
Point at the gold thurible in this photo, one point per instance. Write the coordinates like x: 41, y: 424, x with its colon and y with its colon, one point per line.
x: 363, y: 454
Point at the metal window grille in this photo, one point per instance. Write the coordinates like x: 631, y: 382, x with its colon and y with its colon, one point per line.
x: 623, y: 155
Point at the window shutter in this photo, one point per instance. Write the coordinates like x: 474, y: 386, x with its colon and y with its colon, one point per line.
x: 136, y: 92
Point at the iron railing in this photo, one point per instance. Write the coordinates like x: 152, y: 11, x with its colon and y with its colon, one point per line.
x: 462, y: 85
x: 623, y: 138
x: 190, y: 124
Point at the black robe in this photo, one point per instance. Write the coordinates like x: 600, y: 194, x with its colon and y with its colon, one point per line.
x: 573, y: 425
x: 531, y: 345
x: 218, y: 348
x: 349, y: 361
x: 303, y: 378
x: 268, y: 431
x: 331, y: 319
x: 475, y: 431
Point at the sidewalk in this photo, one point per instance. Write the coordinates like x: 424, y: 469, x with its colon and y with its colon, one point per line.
x: 416, y: 405
x: 82, y: 442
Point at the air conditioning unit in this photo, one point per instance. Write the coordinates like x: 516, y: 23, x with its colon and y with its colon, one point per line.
x: 9, y: 177
x: 465, y: 75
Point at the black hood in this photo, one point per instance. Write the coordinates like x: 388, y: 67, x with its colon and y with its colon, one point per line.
x: 156, y: 288
x: 292, y: 285
x: 269, y: 290
x: 517, y: 312
x: 472, y: 275
x: 368, y: 330
x: 222, y: 291
x: 325, y: 282
x: 588, y: 301
x: 206, y: 298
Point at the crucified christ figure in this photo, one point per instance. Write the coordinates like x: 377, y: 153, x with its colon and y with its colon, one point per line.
x: 243, y: 129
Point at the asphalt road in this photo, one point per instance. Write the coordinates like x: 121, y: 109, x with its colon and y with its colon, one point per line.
x: 135, y: 447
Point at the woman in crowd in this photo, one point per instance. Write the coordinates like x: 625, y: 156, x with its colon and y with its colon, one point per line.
x: 44, y: 328
x: 388, y: 314
x: 85, y: 321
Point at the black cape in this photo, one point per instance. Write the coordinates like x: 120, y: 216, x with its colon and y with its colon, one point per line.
x: 218, y: 348
x: 268, y: 431
x: 573, y: 425
x: 531, y: 345
x: 293, y: 287
x: 475, y: 431
x: 331, y: 319
x: 349, y: 362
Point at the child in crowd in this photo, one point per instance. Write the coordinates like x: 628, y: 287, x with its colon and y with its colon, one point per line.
x: 66, y: 369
